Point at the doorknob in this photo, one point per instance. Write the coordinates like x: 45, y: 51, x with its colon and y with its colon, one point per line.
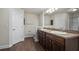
x: 14, y: 29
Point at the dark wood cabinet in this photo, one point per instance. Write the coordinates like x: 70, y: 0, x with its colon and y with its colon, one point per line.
x: 42, y: 38
x: 58, y: 47
x: 50, y: 42
x: 59, y: 44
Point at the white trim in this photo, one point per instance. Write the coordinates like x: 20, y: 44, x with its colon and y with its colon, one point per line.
x: 4, y: 46
x: 43, y: 18
x: 28, y: 36
x: 10, y: 45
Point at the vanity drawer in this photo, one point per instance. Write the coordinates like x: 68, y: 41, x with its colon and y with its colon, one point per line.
x: 60, y: 40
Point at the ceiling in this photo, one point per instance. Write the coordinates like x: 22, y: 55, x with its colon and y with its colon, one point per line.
x: 40, y: 10
x: 34, y: 10
x: 64, y: 10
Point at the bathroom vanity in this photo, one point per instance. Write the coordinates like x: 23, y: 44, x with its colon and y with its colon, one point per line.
x: 53, y: 40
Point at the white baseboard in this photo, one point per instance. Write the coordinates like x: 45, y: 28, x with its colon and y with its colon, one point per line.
x: 28, y: 36
x: 4, y: 46
x: 10, y: 45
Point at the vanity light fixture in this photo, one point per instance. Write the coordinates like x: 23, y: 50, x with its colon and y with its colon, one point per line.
x: 74, y: 9
x: 51, y: 10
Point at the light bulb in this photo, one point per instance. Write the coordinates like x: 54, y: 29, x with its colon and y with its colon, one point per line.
x: 74, y: 9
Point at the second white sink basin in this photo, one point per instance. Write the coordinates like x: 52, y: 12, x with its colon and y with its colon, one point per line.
x: 59, y: 32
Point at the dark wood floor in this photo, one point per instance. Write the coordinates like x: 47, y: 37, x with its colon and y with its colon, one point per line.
x: 27, y: 45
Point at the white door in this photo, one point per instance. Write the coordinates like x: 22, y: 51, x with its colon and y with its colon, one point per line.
x: 17, y: 26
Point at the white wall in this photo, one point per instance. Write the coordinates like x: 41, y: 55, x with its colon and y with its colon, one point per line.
x: 41, y: 19
x: 4, y: 28
x: 44, y: 22
x: 31, y: 24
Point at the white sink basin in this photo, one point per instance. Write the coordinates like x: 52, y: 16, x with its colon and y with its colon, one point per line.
x: 59, y: 32
x: 55, y: 32
x: 46, y: 30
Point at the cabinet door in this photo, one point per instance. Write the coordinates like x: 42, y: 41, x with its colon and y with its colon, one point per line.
x: 52, y: 45
x: 41, y: 38
x: 48, y: 42
x: 58, y: 47
x: 39, y: 33
x: 44, y: 39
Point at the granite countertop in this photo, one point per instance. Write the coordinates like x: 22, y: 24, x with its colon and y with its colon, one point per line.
x: 61, y: 33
